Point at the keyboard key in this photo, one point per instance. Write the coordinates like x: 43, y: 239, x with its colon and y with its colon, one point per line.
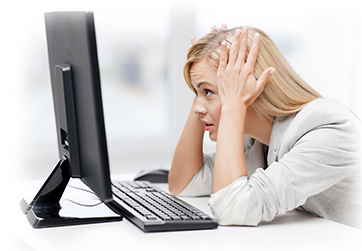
x: 184, y: 217
x: 131, y: 203
x: 175, y: 217
x: 151, y: 217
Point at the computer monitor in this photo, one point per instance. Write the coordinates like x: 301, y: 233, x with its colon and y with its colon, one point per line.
x: 80, y: 128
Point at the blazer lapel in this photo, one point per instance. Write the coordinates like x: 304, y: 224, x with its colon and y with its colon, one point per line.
x: 280, y: 127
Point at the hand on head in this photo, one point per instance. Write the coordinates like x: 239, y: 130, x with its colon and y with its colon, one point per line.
x: 235, y: 77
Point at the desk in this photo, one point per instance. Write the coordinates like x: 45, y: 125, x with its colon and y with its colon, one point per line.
x: 292, y: 231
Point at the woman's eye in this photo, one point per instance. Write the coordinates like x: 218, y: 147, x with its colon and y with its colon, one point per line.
x: 208, y: 92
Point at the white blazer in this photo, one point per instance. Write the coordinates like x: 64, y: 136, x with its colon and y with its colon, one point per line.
x: 313, y: 163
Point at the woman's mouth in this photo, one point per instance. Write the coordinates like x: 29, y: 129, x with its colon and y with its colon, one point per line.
x: 207, y: 126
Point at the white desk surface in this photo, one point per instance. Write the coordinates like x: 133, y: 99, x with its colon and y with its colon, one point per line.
x: 292, y: 231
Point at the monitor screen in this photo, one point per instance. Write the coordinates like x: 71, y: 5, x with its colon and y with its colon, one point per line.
x: 75, y: 81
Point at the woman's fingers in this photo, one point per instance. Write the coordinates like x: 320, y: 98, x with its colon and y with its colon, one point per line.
x: 236, y: 77
x: 253, y: 54
x: 193, y: 40
x: 243, y: 47
x: 223, y: 26
x: 234, y: 50
x: 264, y: 77
x: 223, y: 57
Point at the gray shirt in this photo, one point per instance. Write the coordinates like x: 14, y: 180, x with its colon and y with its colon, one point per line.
x: 313, y: 162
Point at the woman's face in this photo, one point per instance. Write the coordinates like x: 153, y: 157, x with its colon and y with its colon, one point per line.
x: 207, y: 104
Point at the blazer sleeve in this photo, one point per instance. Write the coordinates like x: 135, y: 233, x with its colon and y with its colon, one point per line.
x: 201, y: 184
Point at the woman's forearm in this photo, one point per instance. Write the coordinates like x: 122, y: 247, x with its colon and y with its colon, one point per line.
x: 238, y: 89
x: 230, y: 158
x: 188, y: 156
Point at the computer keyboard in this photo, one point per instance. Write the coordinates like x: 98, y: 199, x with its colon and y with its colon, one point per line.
x: 154, y: 210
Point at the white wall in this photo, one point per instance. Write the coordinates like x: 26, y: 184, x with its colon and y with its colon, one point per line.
x: 321, y: 39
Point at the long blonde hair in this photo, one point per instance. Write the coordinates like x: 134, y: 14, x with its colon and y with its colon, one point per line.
x: 285, y: 92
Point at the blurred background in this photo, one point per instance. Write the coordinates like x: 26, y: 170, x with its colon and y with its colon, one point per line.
x: 142, y: 47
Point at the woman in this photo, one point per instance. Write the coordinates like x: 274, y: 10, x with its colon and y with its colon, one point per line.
x: 280, y: 145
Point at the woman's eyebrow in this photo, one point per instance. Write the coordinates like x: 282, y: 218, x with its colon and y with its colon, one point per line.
x: 201, y: 83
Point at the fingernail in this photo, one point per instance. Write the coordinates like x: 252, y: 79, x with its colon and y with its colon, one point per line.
x: 223, y: 44
x: 272, y: 71
x: 237, y: 32
x: 257, y: 35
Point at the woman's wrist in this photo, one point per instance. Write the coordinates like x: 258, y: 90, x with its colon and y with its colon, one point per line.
x: 234, y: 106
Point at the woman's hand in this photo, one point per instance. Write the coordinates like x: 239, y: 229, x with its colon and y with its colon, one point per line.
x: 193, y: 39
x: 236, y: 80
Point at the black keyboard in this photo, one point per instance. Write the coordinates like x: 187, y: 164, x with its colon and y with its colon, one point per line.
x: 153, y: 210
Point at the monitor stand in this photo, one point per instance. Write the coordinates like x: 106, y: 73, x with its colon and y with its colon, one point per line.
x: 43, y: 211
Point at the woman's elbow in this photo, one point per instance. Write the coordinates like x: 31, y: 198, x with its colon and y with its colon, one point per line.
x: 174, y: 186
x: 232, y: 218
x: 174, y: 189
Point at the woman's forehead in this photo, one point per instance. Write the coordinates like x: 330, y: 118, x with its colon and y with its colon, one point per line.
x: 202, y: 71
x: 201, y: 68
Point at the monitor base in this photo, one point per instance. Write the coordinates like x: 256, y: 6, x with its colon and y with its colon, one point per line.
x: 47, y: 216
x: 43, y: 211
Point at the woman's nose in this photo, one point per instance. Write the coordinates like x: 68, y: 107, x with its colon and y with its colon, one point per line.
x: 199, y: 108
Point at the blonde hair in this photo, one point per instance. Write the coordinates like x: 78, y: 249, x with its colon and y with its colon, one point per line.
x: 285, y: 92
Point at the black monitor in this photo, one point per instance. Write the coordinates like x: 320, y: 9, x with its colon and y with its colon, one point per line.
x: 80, y: 128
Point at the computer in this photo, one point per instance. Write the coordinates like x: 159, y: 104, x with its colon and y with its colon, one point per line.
x: 82, y: 145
